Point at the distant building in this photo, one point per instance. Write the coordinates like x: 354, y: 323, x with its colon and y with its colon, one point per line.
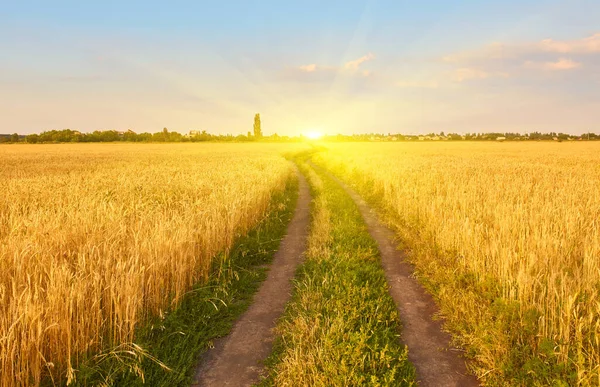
x: 501, y: 139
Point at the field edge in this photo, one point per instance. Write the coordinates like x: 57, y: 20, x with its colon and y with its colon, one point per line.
x: 170, y: 346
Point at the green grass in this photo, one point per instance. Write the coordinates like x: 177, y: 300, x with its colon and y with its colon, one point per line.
x: 178, y: 338
x: 341, y: 327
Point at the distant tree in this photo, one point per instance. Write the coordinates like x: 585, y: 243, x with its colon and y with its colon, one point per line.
x: 257, y: 128
x: 14, y: 137
x: 32, y: 138
x: 129, y: 135
x: 162, y: 136
x: 109, y: 136
x: 175, y: 137
x: 563, y: 136
x: 145, y: 137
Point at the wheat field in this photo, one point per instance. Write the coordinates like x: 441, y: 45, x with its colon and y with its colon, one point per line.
x: 507, y: 236
x: 96, y: 238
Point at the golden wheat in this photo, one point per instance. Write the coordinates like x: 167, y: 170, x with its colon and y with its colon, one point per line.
x: 523, y: 216
x: 95, y: 238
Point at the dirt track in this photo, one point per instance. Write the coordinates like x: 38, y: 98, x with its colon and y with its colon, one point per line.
x: 236, y: 360
x: 437, y: 363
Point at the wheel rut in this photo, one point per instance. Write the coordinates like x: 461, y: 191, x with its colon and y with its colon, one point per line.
x: 438, y: 364
x: 236, y: 360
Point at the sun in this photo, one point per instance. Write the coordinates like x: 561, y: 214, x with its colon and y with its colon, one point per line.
x: 313, y: 134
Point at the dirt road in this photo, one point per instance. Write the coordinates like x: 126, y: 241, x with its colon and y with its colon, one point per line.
x: 437, y: 363
x: 236, y: 360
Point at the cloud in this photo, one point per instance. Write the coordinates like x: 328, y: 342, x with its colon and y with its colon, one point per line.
x: 351, y: 68
x: 415, y: 84
x: 355, y: 64
x: 490, y: 52
x: 465, y: 74
x: 308, y: 68
x: 587, y: 45
x: 560, y: 65
x: 515, y: 51
x: 504, y: 60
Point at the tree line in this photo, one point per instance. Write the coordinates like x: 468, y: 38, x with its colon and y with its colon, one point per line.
x: 483, y: 136
x: 68, y: 135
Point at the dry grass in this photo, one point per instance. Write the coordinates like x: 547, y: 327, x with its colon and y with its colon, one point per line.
x: 508, y: 237
x: 95, y: 238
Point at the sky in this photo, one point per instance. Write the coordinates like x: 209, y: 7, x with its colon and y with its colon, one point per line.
x: 385, y: 66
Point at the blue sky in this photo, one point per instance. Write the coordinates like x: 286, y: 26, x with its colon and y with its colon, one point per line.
x: 333, y: 66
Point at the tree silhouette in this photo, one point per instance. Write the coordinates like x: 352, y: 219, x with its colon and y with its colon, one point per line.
x: 257, y: 129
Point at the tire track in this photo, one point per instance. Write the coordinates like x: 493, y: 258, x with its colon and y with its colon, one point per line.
x: 437, y: 363
x: 236, y: 359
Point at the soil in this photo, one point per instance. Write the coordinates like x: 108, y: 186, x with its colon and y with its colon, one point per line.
x: 236, y: 360
x: 438, y: 364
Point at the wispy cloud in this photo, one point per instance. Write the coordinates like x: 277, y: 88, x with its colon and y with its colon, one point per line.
x: 561, y: 65
x: 465, y: 74
x: 355, y: 64
x: 418, y: 84
x: 506, y: 51
x: 512, y: 60
x: 352, y: 67
x: 308, y: 68
x: 587, y: 45
x: 489, y: 52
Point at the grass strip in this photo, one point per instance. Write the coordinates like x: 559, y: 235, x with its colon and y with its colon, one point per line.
x: 497, y: 337
x: 168, y: 347
x: 341, y: 327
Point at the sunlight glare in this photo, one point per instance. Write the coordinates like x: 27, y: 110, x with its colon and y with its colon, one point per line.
x: 314, y: 134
